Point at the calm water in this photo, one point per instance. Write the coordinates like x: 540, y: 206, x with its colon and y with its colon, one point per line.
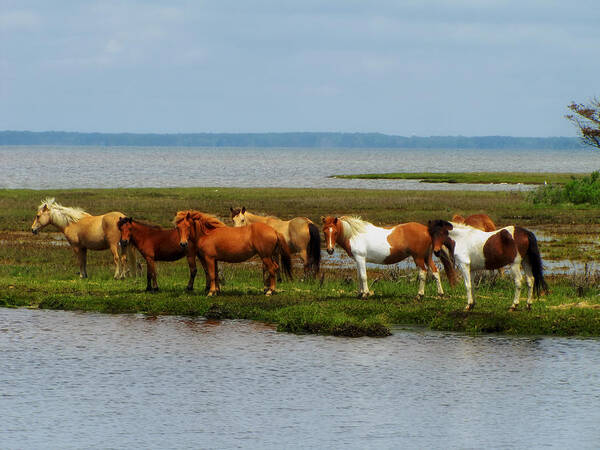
x: 111, y: 167
x: 75, y: 380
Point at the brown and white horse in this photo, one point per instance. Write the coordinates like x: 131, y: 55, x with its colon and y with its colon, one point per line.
x: 85, y: 232
x: 479, y: 221
x: 364, y: 242
x: 215, y: 241
x: 475, y: 249
x: 300, y: 233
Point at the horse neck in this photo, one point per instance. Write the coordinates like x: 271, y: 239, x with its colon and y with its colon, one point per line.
x: 254, y: 218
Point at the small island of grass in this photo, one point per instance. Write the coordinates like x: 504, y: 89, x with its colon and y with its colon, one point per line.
x: 470, y: 177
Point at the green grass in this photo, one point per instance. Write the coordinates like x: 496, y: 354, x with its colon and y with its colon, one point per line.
x: 471, y: 177
x: 35, y: 274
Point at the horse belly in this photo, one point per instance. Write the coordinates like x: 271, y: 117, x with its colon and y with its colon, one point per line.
x: 499, y: 250
x: 91, y: 236
x: 379, y: 250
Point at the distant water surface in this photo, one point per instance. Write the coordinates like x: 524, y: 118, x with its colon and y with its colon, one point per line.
x: 111, y: 167
x: 80, y: 380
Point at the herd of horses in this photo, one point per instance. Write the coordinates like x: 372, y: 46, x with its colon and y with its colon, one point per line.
x: 472, y: 243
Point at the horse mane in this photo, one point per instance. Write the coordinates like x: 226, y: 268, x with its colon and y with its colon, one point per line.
x: 147, y: 224
x: 62, y: 215
x: 353, y: 225
x: 204, y: 218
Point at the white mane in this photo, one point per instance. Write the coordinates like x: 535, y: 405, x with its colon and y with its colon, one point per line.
x: 353, y: 226
x: 62, y: 215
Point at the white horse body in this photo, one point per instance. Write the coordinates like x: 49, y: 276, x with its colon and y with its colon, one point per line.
x: 369, y: 243
x: 469, y: 255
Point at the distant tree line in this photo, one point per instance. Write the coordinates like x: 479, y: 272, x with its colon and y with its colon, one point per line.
x: 305, y: 139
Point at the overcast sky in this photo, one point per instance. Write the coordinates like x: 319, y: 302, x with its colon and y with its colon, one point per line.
x: 446, y: 67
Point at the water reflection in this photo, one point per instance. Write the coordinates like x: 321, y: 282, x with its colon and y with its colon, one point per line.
x: 73, y: 380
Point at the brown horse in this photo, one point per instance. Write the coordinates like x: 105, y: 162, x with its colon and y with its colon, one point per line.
x: 479, y: 221
x: 156, y: 244
x: 476, y: 250
x: 215, y: 241
x: 364, y: 242
x: 300, y: 233
x: 85, y: 232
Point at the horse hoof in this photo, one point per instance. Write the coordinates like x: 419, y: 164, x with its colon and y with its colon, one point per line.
x: 528, y: 307
x: 419, y: 297
x: 441, y: 296
x: 269, y: 292
x: 211, y: 293
x: 469, y: 307
x: 513, y: 308
x: 189, y: 289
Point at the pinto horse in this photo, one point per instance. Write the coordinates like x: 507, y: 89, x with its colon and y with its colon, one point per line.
x: 476, y: 250
x: 156, y: 244
x: 214, y: 241
x: 364, y: 242
x: 300, y: 233
x: 85, y: 232
x: 479, y: 221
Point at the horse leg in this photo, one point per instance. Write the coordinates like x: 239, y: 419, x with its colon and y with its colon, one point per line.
x: 361, y: 269
x: 206, y: 277
x: 272, y: 267
x: 151, y: 284
x: 114, y: 248
x: 306, y: 263
x: 420, y: 262
x: 81, y: 254
x: 466, y: 273
x: 191, y: 258
x: 529, y: 280
x: 518, y: 277
x: 217, y: 279
x: 211, y: 275
x: 436, y: 274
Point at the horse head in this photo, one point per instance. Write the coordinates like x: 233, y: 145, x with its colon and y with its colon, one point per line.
x: 42, y: 218
x: 124, y: 225
x: 331, y: 231
x: 238, y: 215
x: 438, y: 230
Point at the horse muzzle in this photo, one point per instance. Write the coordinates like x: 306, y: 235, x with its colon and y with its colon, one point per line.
x: 183, y: 244
x: 330, y: 251
x: 124, y: 243
x: 35, y: 230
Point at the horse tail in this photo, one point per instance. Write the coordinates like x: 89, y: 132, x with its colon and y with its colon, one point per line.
x: 314, y: 248
x: 446, y: 259
x: 286, y: 255
x: 535, y: 261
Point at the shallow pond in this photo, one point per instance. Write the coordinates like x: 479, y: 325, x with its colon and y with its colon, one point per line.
x: 80, y: 380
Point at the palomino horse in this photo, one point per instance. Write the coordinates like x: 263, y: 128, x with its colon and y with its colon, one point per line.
x: 476, y: 250
x: 364, y: 242
x: 84, y: 232
x: 215, y: 241
x: 300, y: 233
x: 156, y: 244
x: 479, y: 221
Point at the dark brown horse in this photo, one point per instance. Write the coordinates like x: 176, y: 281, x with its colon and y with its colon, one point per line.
x: 477, y: 250
x: 480, y: 221
x: 214, y: 241
x: 156, y: 244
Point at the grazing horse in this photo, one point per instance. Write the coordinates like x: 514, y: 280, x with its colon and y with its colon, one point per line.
x: 84, y: 232
x: 476, y: 250
x: 214, y: 241
x: 479, y: 221
x: 156, y: 244
x: 300, y: 233
x: 364, y: 242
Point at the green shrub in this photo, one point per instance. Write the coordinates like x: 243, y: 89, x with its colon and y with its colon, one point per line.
x: 576, y: 191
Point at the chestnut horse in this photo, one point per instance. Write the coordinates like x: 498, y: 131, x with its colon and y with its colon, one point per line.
x: 479, y: 221
x: 364, y: 242
x: 84, y: 232
x: 156, y: 244
x: 214, y: 241
x: 476, y: 250
x: 300, y: 233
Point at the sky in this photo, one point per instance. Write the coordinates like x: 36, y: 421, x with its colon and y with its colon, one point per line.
x: 410, y: 67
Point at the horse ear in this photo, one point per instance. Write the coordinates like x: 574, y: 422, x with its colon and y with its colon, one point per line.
x: 323, y: 219
x: 188, y: 216
x: 45, y: 207
x: 243, y: 209
x: 335, y: 221
x: 231, y: 210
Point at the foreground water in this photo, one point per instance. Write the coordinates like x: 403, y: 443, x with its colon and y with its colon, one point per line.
x: 112, y: 167
x: 78, y: 380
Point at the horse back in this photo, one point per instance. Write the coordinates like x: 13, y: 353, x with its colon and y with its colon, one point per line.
x: 408, y: 239
x: 237, y: 244
x: 481, y: 221
x: 95, y: 232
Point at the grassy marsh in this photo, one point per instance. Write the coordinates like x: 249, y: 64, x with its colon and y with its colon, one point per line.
x: 40, y: 271
x: 471, y: 177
